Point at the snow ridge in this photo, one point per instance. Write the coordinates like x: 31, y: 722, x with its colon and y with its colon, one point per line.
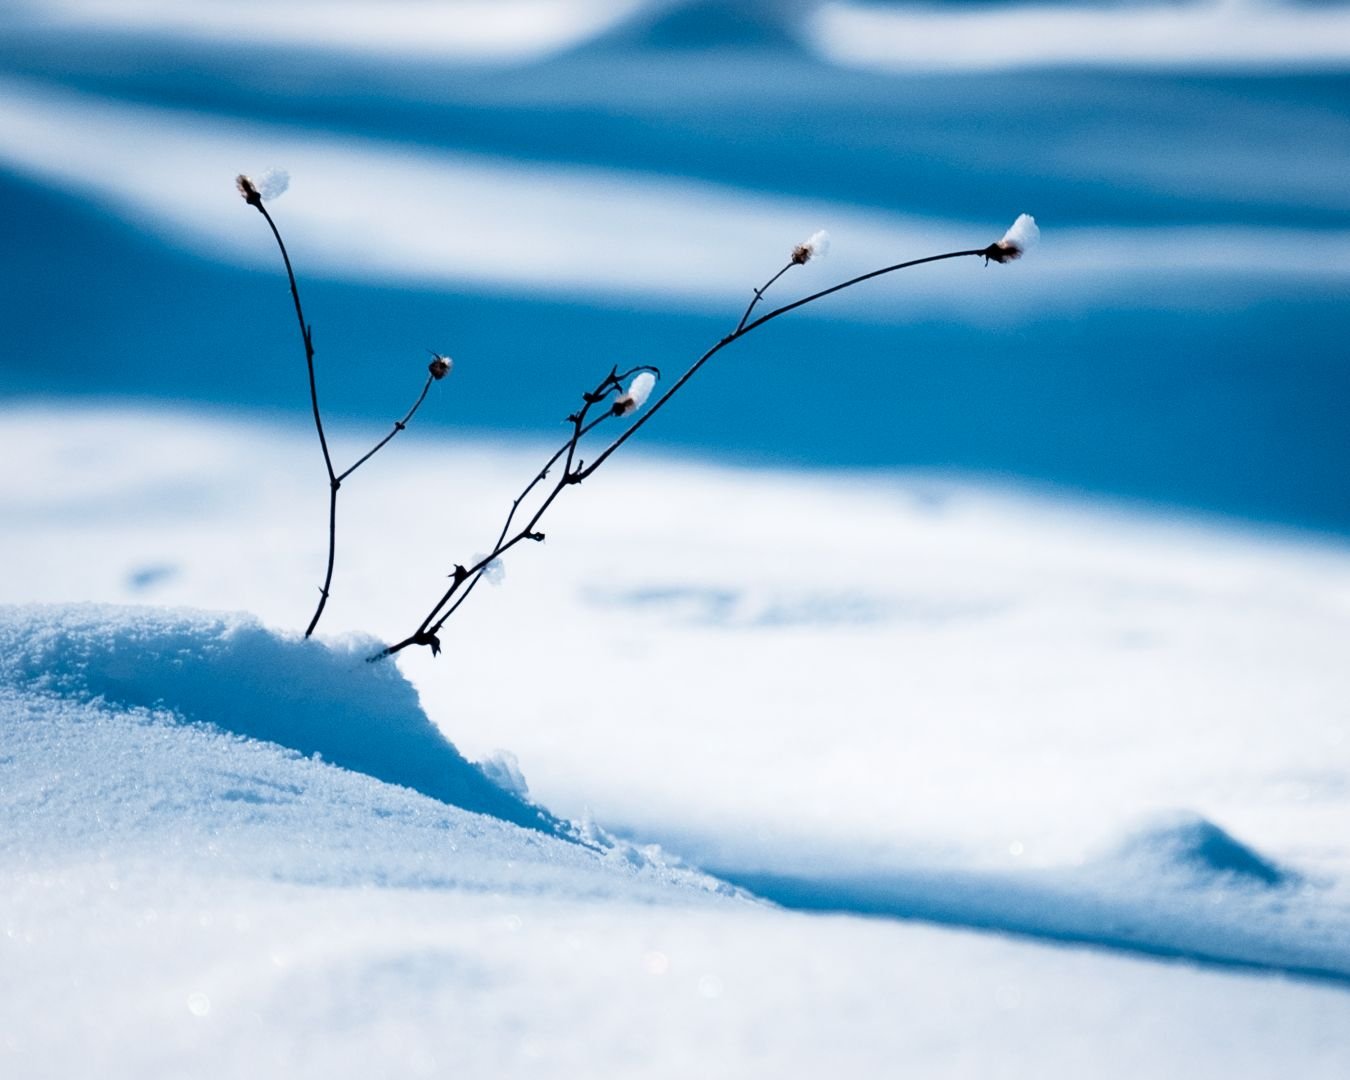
x: 1179, y: 887
x: 317, y: 698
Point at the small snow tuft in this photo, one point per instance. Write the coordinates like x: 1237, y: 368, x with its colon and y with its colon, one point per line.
x: 1022, y: 236
x: 273, y: 184
x: 636, y: 395
x: 494, y: 573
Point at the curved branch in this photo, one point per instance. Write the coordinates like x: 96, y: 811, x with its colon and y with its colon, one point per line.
x: 399, y: 425
x: 427, y: 633
x: 746, y: 328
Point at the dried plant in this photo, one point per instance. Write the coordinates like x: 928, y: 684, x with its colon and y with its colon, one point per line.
x: 269, y: 186
x: 621, y: 402
x: 617, y: 396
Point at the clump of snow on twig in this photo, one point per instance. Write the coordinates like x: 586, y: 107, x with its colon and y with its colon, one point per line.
x: 273, y: 184
x: 636, y: 395
x: 1021, y: 237
x: 494, y: 573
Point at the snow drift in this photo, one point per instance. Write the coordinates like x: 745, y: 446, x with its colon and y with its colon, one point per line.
x: 320, y: 699
x: 1179, y: 887
x: 188, y: 900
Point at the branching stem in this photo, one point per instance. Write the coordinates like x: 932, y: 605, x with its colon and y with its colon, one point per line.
x: 399, y: 425
x: 334, y: 478
x: 463, y: 580
x: 747, y: 328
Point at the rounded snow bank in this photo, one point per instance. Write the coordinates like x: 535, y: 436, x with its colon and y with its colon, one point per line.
x: 229, y: 671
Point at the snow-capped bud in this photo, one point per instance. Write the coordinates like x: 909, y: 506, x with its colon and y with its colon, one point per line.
x: 440, y: 366
x: 1016, y: 242
x: 248, y: 189
x: 636, y: 395
x: 817, y: 245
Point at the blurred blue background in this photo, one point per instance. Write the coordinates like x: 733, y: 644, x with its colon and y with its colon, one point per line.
x: 1221, y: 388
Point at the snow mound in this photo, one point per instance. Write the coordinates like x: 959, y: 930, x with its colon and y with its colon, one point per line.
x: 1178, y: 888
x: 318, y: 698
x: 1197, y: 847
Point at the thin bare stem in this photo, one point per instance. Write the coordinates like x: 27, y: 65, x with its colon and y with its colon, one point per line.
x: 335, y: 479
x: 465, y: 579
x: 332, y: 556
x: 759, y: 294
x: 747, y: 328
x: 307, y: 336
x: 570, y: 448
x: 399, y: 425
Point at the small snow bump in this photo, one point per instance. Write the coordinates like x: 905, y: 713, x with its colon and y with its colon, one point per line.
x: 1200, y: 847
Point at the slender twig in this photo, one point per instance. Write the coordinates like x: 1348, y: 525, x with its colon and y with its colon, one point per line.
x: 570, y: 447
x: 254, y: 199
x: 465, y: 579
x: 747, y: 328
x: 399, y: 425
x: 306, y: 331
x: 759, y: 293
x: 307, y: 336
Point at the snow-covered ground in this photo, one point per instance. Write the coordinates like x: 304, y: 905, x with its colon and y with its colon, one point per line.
x: 992, y: 721
x: 745, y: 771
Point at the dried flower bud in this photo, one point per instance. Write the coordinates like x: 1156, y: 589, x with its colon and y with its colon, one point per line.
x: 817, y: 245
x: 1016, y: 242
x: 269, y: 186
x: 248, y: 189
x: 440, y: 366
x: 636, y: 395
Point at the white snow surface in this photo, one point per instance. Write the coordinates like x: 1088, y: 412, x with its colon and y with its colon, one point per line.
x: 997, y: 722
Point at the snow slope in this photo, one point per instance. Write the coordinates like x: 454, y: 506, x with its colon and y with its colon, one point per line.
x: 320, y: 705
